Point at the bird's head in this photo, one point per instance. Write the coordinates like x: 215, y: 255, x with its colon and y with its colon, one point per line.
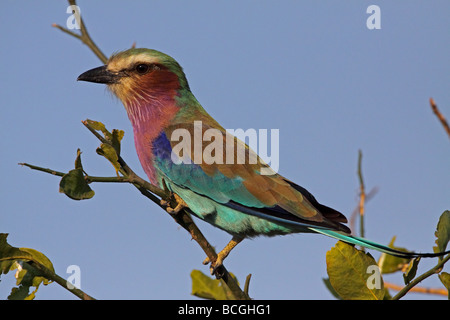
x: 137, y: 75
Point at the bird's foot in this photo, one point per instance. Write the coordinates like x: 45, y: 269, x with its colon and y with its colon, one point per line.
x: 216, y: 266
x: 180, y: 204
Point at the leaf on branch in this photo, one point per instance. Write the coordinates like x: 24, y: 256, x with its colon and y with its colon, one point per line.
x: 411, y: 270
x: 74, y: 185
x: 207, y: 288
x: 391, y: 264
x: 442, y: 232
x: 110, y: 154
x: 12, y: 258
x: 354, y: 274
x: 113, y: 137
x: 97, y: 125
x: 110, y: 150
x: 116, y: 138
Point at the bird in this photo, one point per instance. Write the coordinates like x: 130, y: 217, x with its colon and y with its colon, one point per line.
x: 220, y: 186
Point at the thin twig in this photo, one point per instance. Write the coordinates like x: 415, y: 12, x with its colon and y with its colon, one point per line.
x: 423, y: 276
x: 84, y: 36
x: 43, y: 271
x: 438, y: 291
x: 70, y: 33
x: 87, y: 177
x: 440, y: 116
x: 48, y: 274
x: 355, y: 212
x: 53, y: 172
x: 362, y: 195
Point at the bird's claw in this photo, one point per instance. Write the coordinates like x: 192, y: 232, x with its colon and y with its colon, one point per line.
x: 180, y: 204
x: 216, y: 267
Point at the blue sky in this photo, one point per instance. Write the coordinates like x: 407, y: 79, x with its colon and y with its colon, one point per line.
x: 313, y: 70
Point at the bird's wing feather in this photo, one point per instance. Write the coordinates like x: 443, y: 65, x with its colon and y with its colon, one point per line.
x: 238, y: 184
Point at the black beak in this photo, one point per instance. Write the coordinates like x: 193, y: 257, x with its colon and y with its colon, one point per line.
x: 99, y: 75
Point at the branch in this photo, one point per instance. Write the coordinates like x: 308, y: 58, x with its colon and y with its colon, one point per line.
x: 53, y: 172
x: 70, y: 33
x: 88, y: 178
x: 45, y: 272
x: 362, y: 195
x: 440, y: 116
x: 84, y: 36
x: 183, y: 218
x: 425, y: 275
x: 355, y: 212
x: 438, y: 291
x: 128, y: 173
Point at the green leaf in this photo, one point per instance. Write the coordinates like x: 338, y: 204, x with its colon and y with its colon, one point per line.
x: 6, y: 251
x: 12, y: 258
x: 354, y: 274
x: 442, y: 232
x: 411, y: 271
x: 97, y: 125
x: 110, y: 154
x: 21, y: 293
x: 445, y: 279
x: 26, y: 278
x: 39, y: 257
x: 111, y: 150
x: 115, y: 137
x: 78, y: 164
x: 205, y: 287
x: 74, y: 185
x: 391, y: 264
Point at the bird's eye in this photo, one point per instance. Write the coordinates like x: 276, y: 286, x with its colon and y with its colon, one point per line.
x: 142, y: 68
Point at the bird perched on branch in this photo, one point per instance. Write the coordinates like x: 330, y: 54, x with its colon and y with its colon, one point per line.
x: 220, y: 184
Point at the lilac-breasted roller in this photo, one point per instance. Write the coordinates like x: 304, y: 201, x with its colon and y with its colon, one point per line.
x: 245, y: 198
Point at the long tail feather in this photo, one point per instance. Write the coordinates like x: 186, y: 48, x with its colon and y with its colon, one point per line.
x: 373, y: 245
